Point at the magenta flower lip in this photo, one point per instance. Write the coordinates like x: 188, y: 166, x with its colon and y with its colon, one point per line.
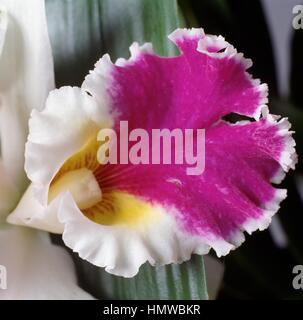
x: 158, y: 213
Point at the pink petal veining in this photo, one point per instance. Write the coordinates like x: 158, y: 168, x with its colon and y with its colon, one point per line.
x: 206, y: 82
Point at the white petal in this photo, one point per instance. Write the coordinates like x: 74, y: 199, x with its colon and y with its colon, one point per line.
x: 26, y: 77
x: 3, y: 27
x: 99, y: 80
x: 121, y: 250
x: 8, y: 194
x: 36, y: 269
x: 58, y: 132
x: 31, y: 213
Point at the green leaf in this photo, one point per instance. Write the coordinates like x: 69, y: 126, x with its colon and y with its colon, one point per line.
x: 76, y: 38
x: 81, y: 32
x: 124, y: 22
x: 185, y: 281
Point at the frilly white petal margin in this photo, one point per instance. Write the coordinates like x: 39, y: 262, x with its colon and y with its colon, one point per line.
x: 223, y: 247
x: 99, y: 79
x: 58, y: 132
x: 289, y: 157
x: 182, y: 33
x: 217, y: 47
x: 122, y: 250
x: 135, y: 51
x: 229, y: 51
x: 287, y: 161
x: 36, y: 269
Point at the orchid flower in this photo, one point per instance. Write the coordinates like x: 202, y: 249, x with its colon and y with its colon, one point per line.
x: 35, y: 268
x: 119, y: 216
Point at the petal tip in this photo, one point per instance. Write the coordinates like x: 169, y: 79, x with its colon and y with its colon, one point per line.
x: 288, y: 157
x: 183, y: 35
x: 135, y: 49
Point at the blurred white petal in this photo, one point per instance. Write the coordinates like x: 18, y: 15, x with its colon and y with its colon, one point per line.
x: 279, y: 19
x: 3, y: 27
x: 8, y: 194
x: 26, y: 77
x: 36, y: 269
x: 299, y: 183
x: 278, y: 233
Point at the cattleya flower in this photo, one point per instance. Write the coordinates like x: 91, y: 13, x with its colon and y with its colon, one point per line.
x: 118, y: 216
x: 36, y: 269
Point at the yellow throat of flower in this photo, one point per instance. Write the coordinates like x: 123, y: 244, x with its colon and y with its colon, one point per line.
x: 82, y: 185
x: 109, y: 206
